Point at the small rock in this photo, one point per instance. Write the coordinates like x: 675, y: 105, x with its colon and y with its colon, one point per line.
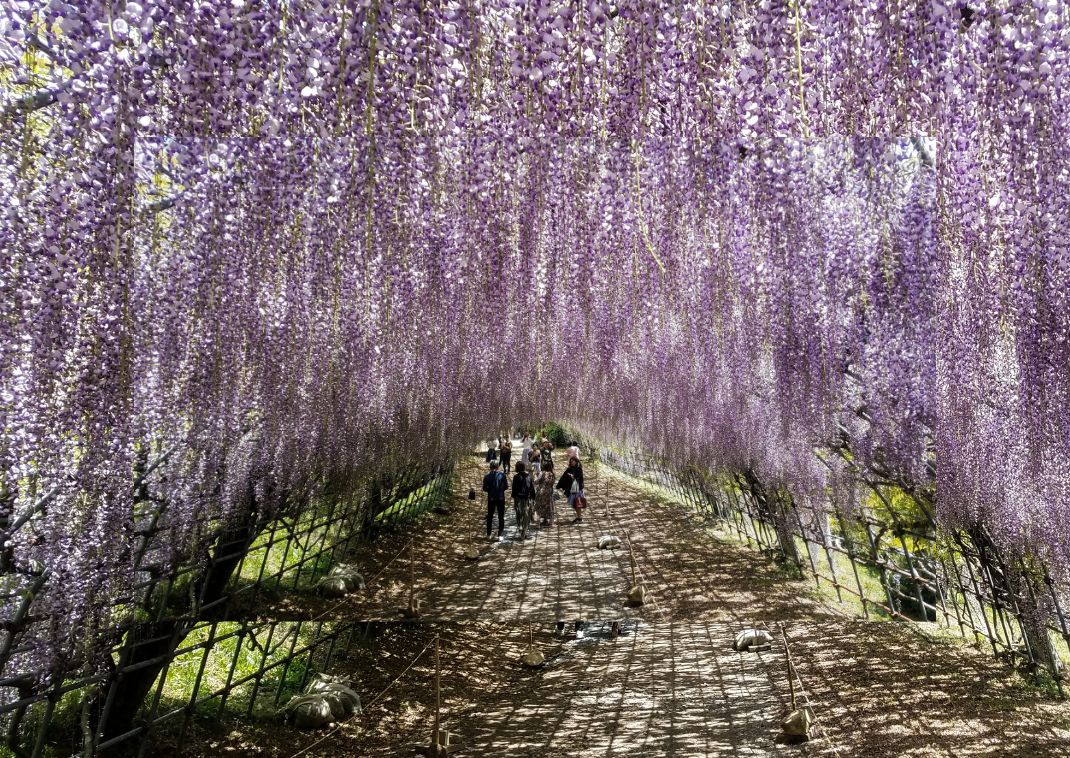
x: 308, y: 711
x: 608, y: 542
x: 532, y: 657
x: 344, y: 702
x: 348, y: 574
x: 332, y: 586
x: 751, y: 639
x: 798, y: 724
x: 637, y: 595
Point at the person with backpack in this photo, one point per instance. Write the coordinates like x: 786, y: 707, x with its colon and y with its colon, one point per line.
x: 495, y: 484
x: 523, y: 498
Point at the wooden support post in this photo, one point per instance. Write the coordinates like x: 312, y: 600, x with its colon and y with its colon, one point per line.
x: 631, y: 555
x: 791, y: 667
x: 436, y: 739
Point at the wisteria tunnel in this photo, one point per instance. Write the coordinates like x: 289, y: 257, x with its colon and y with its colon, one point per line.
x: 534, y: 377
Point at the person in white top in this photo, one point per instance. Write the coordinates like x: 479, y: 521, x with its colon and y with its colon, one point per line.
x: 526, y: 454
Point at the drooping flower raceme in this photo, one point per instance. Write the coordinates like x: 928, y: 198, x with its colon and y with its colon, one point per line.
x: 299, y: 241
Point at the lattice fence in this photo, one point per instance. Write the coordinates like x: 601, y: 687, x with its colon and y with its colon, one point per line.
x: 887, y: 555
x: 175, y: 653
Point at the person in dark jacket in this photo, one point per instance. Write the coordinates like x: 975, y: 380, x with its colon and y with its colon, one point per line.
x: 492, y: 450
x: 523, y: 497
x: 495, y: 483
x: 505, y: 453
x: 546, y: 457
x: 571, y: 484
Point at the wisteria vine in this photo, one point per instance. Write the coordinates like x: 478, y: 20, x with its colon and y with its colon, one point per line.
x: 295, y: 240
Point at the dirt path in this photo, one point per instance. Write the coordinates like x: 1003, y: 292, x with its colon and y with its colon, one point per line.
x: 670, y: 684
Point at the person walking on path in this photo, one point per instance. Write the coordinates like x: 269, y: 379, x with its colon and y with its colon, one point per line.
x: 571, y: 483
x: 546, y: 457
x: 565, y: 484
x: 523, y: 498
x: 544, y: 499
x: 506, y: 454
x: 573, y: 451
x: 495, y: 484
x: 525, y: 449
x: 492, y: 450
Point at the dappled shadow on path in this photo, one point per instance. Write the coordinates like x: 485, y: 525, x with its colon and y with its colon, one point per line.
x: 671, y: 684
x: 659, y: 690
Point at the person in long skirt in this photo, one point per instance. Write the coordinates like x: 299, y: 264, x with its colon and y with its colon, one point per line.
x: 524, y: 493
x: 544, y: 498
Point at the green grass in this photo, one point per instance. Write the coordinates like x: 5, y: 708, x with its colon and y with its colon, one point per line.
x: 276, y: 553
x: 64, y: 728
x: 431, y: 494
x: 868, y: 579
x: 655, y: 490
x: 825, y: 589
x: 181, y: 676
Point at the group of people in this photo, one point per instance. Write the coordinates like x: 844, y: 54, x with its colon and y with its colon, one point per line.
x: 532, y: 487
x: 536, y: 454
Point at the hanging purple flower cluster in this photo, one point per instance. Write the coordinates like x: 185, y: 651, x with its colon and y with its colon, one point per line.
x: 302, y: 241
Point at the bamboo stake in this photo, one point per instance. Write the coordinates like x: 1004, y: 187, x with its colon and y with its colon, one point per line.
x: 631, y: 554
x: 605, y: 494
x: 791, y: 666
x: 436, y: 739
